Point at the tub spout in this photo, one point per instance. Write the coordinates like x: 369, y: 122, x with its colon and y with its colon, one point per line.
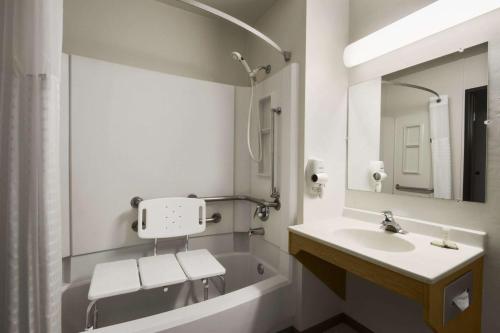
x: 256, y: 231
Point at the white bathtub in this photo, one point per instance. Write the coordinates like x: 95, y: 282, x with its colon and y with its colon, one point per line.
x: 255, y: 301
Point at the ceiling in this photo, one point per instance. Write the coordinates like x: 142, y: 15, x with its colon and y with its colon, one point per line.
x: 249, y: 11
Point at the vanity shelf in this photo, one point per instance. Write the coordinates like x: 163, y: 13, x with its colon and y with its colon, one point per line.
x: 330, y: 261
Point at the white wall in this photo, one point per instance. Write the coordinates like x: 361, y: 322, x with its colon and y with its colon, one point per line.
x: 365, y: 100
x: 478, y: 216
x: 326, y: 86
x: 155, y: 36
x: 367, y: 16
x: 139, y: 132
x: 324, y: 138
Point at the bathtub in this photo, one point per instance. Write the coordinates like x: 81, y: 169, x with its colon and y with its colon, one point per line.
x: 257, y: 299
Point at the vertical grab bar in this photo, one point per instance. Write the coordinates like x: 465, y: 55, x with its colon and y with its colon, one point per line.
x: 274, y: 190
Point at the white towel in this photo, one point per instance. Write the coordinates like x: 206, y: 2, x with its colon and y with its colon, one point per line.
x: 440, y: 147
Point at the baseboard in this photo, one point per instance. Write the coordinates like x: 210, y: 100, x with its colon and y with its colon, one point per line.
x: 341, y: 318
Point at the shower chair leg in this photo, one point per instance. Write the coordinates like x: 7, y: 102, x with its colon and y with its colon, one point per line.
x: 92, y: 306
x: 223, y: 280
x: 205, y: 289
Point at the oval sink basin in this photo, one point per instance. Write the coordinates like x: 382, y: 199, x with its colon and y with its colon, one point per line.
x: 377, y: 240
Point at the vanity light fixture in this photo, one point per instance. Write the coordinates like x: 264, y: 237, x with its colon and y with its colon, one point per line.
x: 430, y: 20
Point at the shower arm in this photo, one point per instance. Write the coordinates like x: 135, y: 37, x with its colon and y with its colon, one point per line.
x: 409, y: 85
x: 287, y: 55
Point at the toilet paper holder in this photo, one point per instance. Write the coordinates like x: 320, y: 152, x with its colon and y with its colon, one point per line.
x: 452, y: 291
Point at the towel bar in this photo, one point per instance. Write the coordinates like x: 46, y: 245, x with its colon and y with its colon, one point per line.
x: 414, y: 189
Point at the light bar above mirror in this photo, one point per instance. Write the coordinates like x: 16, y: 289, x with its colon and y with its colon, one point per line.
x: 430, y: 20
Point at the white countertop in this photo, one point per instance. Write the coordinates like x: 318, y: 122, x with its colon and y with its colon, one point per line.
x: 422, y: 261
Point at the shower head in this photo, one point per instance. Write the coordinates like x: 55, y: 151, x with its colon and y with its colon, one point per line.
x: 238, y: 57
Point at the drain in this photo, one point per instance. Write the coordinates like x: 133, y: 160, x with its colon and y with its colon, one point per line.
x: 260, y: 269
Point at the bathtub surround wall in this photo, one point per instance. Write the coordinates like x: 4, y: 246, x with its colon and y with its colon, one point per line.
x: 363, y: 303
x: 138, y: 132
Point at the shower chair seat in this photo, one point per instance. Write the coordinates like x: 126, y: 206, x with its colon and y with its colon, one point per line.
x: 200, y: 264
x: 114, y: 278
x: 160, y: 271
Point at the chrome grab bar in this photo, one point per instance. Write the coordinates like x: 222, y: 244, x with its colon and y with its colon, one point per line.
x: 414, y: 189
x: 261, y: 202
x: 274, y: 204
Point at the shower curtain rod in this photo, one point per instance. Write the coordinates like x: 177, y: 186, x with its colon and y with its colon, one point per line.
x: 287, y: 55
x: 409, y: 85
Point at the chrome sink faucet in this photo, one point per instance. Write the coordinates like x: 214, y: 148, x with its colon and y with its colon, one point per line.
x: 390, y: 224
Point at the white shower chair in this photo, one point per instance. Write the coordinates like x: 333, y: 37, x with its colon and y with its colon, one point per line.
x: 178, y: 217
x: 158, y: 218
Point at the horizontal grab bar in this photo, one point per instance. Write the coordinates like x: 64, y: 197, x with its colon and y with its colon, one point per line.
x: 414, y: 189
x: 274, y: 204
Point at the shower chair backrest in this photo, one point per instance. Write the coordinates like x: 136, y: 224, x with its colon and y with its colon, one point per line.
x: 171, y: 217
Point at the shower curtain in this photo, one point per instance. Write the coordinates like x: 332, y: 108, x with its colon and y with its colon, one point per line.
x: 440, y: 147
x: 30, y: 214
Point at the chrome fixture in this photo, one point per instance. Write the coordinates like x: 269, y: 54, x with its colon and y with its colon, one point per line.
x: 287, y: 55
x: 409, y: 85
x: 390, y: 224
x: 263, y: 209
x: 262, y: 212
x: 260, y: 269
x: 256, y: 232
x: 252, y: 73
x: 414, y: 189
x: 252, y: 76
x: 263, y: 206
x: 276, y: 204
x: 275, y: 194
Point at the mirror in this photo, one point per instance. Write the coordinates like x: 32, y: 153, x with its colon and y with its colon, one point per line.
x: 421, y: 131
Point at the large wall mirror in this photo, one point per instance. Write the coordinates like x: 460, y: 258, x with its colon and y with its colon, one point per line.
x: 421, y: 131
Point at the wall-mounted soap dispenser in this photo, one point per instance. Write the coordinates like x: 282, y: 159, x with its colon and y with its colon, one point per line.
x: 316, y: 177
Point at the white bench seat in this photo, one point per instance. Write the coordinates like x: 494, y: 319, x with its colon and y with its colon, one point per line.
x: 200, y: 264
x: 114, y: 278
x: 160, y: 271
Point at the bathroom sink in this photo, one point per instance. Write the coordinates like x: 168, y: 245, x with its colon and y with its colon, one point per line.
x: 374, y: 239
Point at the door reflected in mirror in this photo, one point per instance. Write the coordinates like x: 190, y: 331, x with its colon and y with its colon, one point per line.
x: 421, y: 131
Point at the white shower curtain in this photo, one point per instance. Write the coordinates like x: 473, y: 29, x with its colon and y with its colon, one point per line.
x: 440, y: 147
x: 30, y: 214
